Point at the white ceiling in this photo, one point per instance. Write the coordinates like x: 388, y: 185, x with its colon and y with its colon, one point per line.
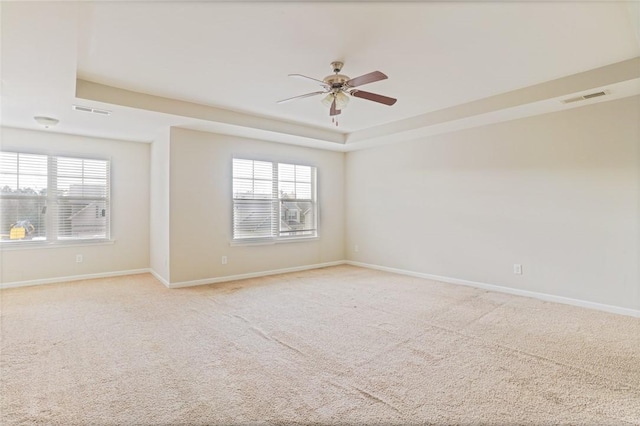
x: 232, y: 58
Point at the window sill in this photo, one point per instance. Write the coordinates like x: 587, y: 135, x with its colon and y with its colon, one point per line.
x: 271, y: 242
x: 37, y: 245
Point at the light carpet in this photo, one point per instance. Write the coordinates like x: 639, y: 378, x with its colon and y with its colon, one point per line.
x: 339, y: 345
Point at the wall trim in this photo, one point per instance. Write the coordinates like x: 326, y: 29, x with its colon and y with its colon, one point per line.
x: 206, y: 281
x: 159, y: 278
x: 56, y: 280
x: 491, y: 287
x: 517, y: 292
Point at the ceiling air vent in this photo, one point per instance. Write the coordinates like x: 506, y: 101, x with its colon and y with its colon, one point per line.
x: 594, y: 95
x: 584, y: 97
x: 91, y: 110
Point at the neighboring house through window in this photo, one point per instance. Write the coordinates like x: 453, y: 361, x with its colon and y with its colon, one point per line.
x: 273, y: 201
x: 53, y: 198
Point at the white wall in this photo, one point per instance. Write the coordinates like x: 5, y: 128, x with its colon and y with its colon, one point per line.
x: 129, y: 211
x: 201, y: 208
x: 557, y: 193
x: 159, y: 201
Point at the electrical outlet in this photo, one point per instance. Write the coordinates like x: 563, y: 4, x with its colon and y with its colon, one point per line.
x: 79, y: 258
x: 356, y: 248
x: 224, y: 260
x: 517, y: 269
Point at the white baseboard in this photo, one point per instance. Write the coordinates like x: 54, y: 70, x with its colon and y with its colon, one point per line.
x: 73, y: 278
x: 251, y: 275
x: 159, y: 278
x: 501, y: 289
x: 542, y: 296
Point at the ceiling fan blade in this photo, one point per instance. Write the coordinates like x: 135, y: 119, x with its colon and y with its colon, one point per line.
x: 366, y: 79
x: 299, y: 97
x: 333, y: 111
x: 309, y: 78
x: 373, y: 97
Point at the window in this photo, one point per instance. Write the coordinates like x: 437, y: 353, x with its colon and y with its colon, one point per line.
x: 53, y: 199
x: 296, y: 194
x: 273, y: 201
x: 23, y: 192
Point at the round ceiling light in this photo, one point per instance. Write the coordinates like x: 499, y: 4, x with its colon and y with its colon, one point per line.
x: 46, y: 122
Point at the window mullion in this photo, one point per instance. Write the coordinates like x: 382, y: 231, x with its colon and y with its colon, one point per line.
x: 52, y: 205
x: 18, y: 172
x: 275, y: 203
x: 108, y: 201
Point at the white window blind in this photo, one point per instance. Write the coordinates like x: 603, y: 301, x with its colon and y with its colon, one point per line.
x: 23, y: 196
x: 53, y: 198
x: 254, y: 205
x: 296, y: 191
x: 273, y: 200
x: 82, y: 195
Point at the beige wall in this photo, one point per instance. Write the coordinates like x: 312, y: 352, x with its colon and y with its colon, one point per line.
x: 129, y: 211
x: 557, y: 193
x: 159, y: 202
x: 200, y: 213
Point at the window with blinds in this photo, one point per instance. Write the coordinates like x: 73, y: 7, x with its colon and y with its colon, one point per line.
x: 23, y: 196
x: 53, y: 199
x: 82, y: 198
x: 296, y: 194
x: 273, y: 201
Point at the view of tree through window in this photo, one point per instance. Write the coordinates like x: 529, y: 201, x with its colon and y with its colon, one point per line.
x: 49, y: 198
x: 273, y: 200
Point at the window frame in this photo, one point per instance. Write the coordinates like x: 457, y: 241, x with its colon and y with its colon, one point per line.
x: 276, y: 201
x: 53, y: 201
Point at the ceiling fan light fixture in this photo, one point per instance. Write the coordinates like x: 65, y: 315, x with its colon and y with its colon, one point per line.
x: 341, y: 100
x: 327, y: 100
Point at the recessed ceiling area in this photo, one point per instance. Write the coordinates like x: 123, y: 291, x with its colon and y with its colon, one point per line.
x: 221, y: 66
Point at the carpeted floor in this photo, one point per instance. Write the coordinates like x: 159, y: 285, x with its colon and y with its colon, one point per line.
x: 340, y: 345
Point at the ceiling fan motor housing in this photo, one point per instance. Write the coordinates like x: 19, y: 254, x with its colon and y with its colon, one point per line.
x: 336, y: 81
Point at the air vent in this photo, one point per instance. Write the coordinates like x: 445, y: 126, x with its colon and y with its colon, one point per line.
x: 81, y: 108
x: 91, y: 110
x: 594, y: 95
x: 584, y: 97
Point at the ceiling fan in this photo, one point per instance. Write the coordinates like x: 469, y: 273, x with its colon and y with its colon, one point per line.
x: 337, y: 86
